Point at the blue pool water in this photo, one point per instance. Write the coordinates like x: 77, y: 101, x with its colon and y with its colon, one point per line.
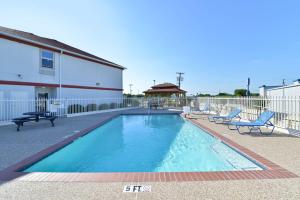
x: 145, y: 143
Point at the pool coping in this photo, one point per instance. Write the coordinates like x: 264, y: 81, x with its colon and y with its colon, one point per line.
x: 270, y: 171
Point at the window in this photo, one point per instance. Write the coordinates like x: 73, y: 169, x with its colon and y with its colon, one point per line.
x: 47, y: 58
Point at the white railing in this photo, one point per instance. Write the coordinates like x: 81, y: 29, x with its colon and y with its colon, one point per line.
x: 287, y: 109
x: 13, y: 108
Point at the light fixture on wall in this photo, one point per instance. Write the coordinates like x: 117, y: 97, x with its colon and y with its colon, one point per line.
x: 20, y: 76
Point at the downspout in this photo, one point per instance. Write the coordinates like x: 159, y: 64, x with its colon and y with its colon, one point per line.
x: 61, y: 52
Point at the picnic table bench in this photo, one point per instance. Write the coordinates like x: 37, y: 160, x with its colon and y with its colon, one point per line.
x: 34, y: 117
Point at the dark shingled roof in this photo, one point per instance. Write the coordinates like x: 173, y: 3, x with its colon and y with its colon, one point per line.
x: 52, y: 42
x: 165, y: 85
x: 165, y: 88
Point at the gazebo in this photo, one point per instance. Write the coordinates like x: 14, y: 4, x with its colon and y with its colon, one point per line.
x: 164, y: 90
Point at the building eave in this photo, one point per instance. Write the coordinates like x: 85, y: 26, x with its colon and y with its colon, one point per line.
x: 26, y: 41
x: 283, y: 87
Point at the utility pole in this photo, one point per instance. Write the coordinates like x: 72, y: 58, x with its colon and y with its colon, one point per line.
x: 179, y: 78
x: 283, y: 84
x: 248, y: 86
x: 153, y: 82
x: 130, y: 90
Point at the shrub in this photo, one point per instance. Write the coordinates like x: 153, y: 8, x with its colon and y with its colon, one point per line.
x: 113, y: 105
x: 75, y: 108
x: 103, y: 106
x: 91, y: 107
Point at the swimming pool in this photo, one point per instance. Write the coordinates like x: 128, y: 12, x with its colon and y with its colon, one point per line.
x: 145, y: 143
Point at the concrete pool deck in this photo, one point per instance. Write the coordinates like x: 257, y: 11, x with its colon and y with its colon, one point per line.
x: 14, y: 146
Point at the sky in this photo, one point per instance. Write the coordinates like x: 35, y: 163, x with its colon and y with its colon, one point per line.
x: 217, y: 44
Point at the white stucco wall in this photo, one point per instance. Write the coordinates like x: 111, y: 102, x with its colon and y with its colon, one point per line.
x: 77, y: 71
x: 11, y: 92
x: 24, y: 60
x: 20, y: 97
x: 293, y: 90
x: 73, y: 93
x: 17, y: 58
x: 262, y: 91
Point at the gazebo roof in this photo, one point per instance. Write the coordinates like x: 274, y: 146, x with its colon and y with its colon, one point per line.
x: 164, y: 88
x: 165, y: 85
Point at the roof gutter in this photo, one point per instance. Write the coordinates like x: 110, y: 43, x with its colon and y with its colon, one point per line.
x: 284, y: 87
x: 60, y: 49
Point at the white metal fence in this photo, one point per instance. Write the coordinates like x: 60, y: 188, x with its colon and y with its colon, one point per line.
x: 13, y: 108
x: 287, y: 109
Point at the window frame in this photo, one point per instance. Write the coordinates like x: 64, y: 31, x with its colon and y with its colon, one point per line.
x: 41, y: 59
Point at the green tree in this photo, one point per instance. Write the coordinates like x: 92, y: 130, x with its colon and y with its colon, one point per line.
x: 240, y: 92
x: 224, y: 94
x: 203, y: 95
x: 132, y: 95
x: 255, y: 94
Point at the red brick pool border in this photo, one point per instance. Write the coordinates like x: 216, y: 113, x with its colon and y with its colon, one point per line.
x: 271, y: 171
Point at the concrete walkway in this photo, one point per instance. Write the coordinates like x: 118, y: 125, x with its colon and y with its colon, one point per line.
x: 15, y: 146
x: 34, y: 137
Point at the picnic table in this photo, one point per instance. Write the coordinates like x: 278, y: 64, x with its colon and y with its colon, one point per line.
x: 34, y: 116
x: 37, y: 115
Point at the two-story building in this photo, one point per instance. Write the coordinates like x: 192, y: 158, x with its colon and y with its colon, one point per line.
x: 36, y: 67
